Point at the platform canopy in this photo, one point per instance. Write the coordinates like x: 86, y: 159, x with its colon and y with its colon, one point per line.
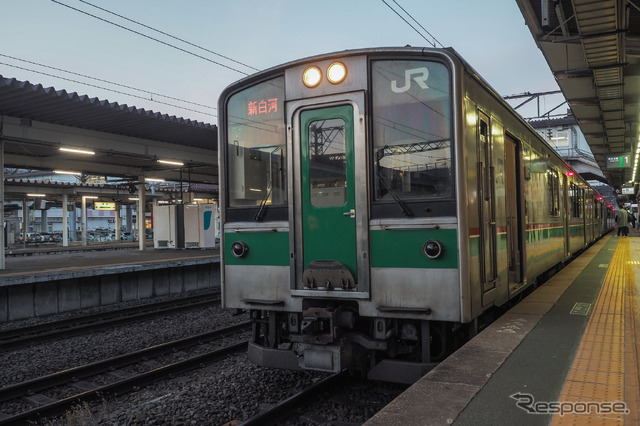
x: 36, y: 122
x: 593, y: 50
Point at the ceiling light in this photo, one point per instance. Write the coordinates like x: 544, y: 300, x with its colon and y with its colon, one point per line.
x: 65, y: 172
x: 77, y: 151
x: 154, y: 180
x: 89, y: 197
x: 36, y: 195
x: 172, y: 162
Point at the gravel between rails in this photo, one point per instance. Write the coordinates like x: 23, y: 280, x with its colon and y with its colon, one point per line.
x: 227, y: 391
x: 224, y: 393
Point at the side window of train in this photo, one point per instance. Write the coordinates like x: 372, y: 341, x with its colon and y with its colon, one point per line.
x: 576, y: 195
x: 553, y: 190
x: 412, y: 148
x: 485, y: 157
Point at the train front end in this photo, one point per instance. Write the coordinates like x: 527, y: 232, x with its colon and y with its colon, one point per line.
x: 339, y: 213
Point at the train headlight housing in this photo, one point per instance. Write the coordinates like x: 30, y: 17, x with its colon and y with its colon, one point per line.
x: 433, y: 249
x: 312, y: 76
x: 239, y: 249
x: 336, y: 73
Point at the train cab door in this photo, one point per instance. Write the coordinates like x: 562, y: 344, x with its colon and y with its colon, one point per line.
x: 486, y: 197
x: 514, y: 208
x: 566, y: 222
x: 328, y: 240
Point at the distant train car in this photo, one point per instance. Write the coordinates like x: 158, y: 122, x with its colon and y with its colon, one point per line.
x: 375, y: 203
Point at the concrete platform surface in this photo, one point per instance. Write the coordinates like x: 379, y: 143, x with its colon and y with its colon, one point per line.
x: 91, y: 262
x: 524, y: 359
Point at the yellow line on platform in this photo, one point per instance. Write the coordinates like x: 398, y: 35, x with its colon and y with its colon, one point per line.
x: 605, y: 369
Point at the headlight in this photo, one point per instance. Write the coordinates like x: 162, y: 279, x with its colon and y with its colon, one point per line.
x: 312, y: 76
x: 433, y: 249
x: 239, y: 249
x: 337, y: 72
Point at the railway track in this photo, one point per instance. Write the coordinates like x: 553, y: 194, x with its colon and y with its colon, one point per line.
x: 295, y: 404
x: 25, y: 336
x: 337, y: 399
x: 28, y: 401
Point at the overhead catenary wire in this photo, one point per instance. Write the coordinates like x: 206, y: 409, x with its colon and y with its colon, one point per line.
x: 106, y: 88
x: 433, y: 43
x: 151, y: 38
x: 169, y: 35
x: 105, y: 81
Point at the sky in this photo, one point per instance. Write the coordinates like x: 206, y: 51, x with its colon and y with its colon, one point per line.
x: 53, y: 43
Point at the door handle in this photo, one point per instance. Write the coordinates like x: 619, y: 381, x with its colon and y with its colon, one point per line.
x: 351, y: 213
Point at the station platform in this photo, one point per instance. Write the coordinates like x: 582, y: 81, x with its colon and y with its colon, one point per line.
x: 566, y: 355
x: 40, y: 281
x: 57, y: 263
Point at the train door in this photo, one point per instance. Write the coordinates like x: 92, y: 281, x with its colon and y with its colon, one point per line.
x: 586, y: 217
x: 328, y: 199
x: 486, y: 197
x: 566, y: 219
x: 513, y: 197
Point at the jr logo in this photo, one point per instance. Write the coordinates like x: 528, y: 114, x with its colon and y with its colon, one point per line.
x: 420, y: 77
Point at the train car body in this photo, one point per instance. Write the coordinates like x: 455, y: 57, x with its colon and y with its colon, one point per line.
x: 371, y: 216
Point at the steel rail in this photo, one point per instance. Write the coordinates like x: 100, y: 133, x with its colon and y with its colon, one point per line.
x: 23, y: 336
x: 18, y: 390
x: 123, y: 386
x: 284, y: 408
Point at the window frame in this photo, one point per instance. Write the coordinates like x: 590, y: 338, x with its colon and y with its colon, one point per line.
x: 425, y: 207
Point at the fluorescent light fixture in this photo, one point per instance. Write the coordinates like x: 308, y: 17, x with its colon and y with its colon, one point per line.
x: 172, y: 162
x: 77, y: 150
x: 134, y: 198
x: 154, y: 180
x: 198, y: 199
x: 36, y: 195
x: 65, y: 172
x: 89, y: 197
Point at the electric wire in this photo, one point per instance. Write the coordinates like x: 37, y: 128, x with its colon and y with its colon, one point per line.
x: 108, y: 89
x: 169, y: 35
x: 418, y: 23
x: 151, y: 38
x: 407, y: 22
x: 107, y: 81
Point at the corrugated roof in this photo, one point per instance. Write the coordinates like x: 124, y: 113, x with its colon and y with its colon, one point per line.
x: 33, y: 101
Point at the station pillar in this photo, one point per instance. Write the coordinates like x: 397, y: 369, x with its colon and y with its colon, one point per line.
x: 84, y: 221
x: 3, y: 234
x: 65, y: 221
x: 141, y: 216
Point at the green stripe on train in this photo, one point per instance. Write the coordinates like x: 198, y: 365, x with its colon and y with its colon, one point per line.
x: 393, y: 248
x: 265, y: 248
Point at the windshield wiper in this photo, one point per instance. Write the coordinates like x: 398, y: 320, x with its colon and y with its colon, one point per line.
x: 405, y: 208
x: 263, y: 206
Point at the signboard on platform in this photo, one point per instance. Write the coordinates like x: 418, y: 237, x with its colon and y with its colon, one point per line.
x: 99, y: 205
x: 618, y: 161
x: 627, y: 190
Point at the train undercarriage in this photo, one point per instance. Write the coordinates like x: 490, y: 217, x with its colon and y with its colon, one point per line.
x: 335, y: 337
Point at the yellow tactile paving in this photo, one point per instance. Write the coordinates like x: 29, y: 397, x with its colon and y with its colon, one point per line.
x: 605, y: 369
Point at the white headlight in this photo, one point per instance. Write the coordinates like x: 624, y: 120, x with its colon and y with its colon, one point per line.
x: 312, y: 76
x: 337, y: 72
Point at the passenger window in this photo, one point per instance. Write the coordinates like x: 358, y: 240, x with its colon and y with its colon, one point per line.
x: 553, y: 190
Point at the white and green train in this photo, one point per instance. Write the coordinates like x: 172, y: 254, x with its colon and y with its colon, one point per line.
x: 376, y: 203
